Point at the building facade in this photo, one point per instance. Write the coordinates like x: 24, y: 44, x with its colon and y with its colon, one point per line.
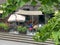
x: 40, y: 19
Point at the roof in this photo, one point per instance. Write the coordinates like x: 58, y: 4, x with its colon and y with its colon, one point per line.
x: 2, y: 1
x: 23, y: 12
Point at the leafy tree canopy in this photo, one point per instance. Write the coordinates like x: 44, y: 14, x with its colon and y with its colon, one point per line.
x: 47, y: 6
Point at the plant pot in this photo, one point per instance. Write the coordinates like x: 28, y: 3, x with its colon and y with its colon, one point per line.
x: 1, y: 30
x: 22, y: 32
x: 6, y: 31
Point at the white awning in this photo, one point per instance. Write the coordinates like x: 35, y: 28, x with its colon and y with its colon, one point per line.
x: 17, y: 18
x: 29, y: 12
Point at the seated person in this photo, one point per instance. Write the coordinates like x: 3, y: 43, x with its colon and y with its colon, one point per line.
x: 30, y: 27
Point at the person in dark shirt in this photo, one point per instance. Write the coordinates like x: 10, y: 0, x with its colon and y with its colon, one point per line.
x: 30, y: 26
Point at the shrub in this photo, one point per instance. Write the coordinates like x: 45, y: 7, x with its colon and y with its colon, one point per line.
x: 21, y: 29
x: 24, y: 29
x: 4, y: 26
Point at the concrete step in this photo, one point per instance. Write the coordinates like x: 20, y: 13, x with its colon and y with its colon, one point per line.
x: 24, y: 41
x: 22, y: 38
x: 19, y: 36
x: 15, y: 35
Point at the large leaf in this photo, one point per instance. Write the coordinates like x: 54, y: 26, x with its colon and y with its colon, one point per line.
x: 47, y: 9
x: 22, y: 3
x: 56, y: 37
x: 10, y: 1
x: 33, y: 3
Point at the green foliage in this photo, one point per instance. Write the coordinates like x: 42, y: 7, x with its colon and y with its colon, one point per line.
x: 49, y: 2
x: 47, y: 6
x: 47, y: 9
x: 12, y: 5
x: 33, y: 3
x: 4, y: 26
x: 21, y: 29
x: 22, y: 3
x: 24, y: 29
x: 36, y: 37
x: 50, y: 30
x: 26, y: 1
x: 56, y: 37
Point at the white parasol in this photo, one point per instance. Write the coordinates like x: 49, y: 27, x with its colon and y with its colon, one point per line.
x: 16, y: 17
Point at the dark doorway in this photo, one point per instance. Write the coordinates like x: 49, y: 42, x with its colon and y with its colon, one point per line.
x: 51, y: 15
x: 41, y: 19
x: 0, y: 15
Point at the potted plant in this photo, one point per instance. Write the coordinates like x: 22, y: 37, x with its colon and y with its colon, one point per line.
x: 4, y: 27
x: 1, y: 25
x: 21, y: 29
x: 24, y: 30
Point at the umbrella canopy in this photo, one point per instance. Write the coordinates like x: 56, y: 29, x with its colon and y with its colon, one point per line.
x: 29, y: 12
x: 17, y: 18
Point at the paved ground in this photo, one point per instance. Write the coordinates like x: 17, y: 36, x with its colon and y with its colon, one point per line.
x: 4, y: 42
